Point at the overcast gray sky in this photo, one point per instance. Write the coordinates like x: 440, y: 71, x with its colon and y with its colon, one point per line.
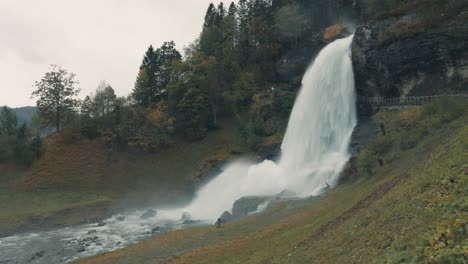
x: 96, y: 39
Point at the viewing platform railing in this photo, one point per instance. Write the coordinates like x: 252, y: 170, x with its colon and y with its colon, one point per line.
x: 409, y: 100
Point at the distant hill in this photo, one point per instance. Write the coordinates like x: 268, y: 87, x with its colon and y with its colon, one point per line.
x: 25, y: 114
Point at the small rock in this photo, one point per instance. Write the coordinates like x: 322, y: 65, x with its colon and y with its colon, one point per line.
x: 148, y: 214
x: 226, y: 217
x: 37, y: 255
x: 90, y: 232
x: 186, y: 216
x: 101, y: 223
x: 155, y: 230
x: 81, y: 249
x: 120, y: 218
x: 190, y: 222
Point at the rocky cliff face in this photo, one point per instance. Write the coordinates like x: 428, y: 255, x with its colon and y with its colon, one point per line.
x: 418, y: 47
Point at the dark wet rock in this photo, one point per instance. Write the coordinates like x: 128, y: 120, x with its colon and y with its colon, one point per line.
x: 101, y: 223
x: 187, y: 219
x: 190, y: 222
x: 155, y: 230
x: 364, y: 132
x: 120, y: 218
x: 90, y: 232
x: 149, y: 214
x: 226, y: 217
x: 186, y: 216
x: 413, y: 53
x: 81, y: 249
x: 246, y: 205
x: 36, y: 255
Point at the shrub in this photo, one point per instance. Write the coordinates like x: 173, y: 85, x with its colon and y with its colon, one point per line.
x: 382, y: 146
x: 445, y: 109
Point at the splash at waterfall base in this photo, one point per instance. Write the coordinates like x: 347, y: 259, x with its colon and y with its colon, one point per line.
x: 315, y: 148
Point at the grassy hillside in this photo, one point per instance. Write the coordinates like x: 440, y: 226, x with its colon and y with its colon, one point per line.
x: 411, y: 209
x: 83, y: 181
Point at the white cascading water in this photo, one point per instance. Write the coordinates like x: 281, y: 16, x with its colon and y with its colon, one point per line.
x: 315, y: 147
x: 314, y: 151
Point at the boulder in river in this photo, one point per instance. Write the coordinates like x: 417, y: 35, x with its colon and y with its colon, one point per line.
x: 155, y: 230
x: 101, y: 223
x: 149, y: 214
x: 246, y: 205
x: 186, y: 216
x: 226, y: 217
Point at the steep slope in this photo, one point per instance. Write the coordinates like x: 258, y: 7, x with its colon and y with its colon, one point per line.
x: 413, y: 208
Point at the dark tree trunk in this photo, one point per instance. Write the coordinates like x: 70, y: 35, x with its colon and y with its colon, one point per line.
x: 58, y: 120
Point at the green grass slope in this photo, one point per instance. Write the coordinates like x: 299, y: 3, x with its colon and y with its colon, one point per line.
x: 413, y: 209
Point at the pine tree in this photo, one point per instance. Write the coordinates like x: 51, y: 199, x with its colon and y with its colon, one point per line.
x: 210, y: 17
x: 244, y: 28
x: 220, y: 14
x: 167, y: 55
x: 8, y: 122
x: 232, y: 10
x: 145, y: 85
x: 155, y: 73
x: 142, y: 91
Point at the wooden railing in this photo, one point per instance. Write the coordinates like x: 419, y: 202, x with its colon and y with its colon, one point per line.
x: 409, y: 100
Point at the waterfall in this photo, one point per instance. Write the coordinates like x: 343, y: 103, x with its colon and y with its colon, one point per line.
x: 315, y: 146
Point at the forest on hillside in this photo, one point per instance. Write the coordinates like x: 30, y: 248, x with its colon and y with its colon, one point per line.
x: 245, y: 66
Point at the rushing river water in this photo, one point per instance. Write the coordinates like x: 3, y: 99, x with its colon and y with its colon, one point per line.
x: 314, y: 152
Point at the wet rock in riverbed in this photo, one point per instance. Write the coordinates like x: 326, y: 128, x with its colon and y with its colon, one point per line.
x: 226, y: 217
x: 81, y: 249
x: 155, y: 230
x: 186, y: 216
x: 90, y: 232
x: 149, y: 214
x: 190, y: 222
x: 37, y: 255
x: 246, y: 205
x: 120, y: 218
x: 101, y: 223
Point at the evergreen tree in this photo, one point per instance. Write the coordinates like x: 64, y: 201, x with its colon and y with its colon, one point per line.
x: 154, y: 74
x: 244, y: 28
x: 8, y: 122
x: 210, y: 17
x: 220, y: 14
x: 145, y: 84
x: 57, y: 96
x: 232, y: 10
x: 167, y: 55
x: 230, y: 27
x: 142, y: 91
